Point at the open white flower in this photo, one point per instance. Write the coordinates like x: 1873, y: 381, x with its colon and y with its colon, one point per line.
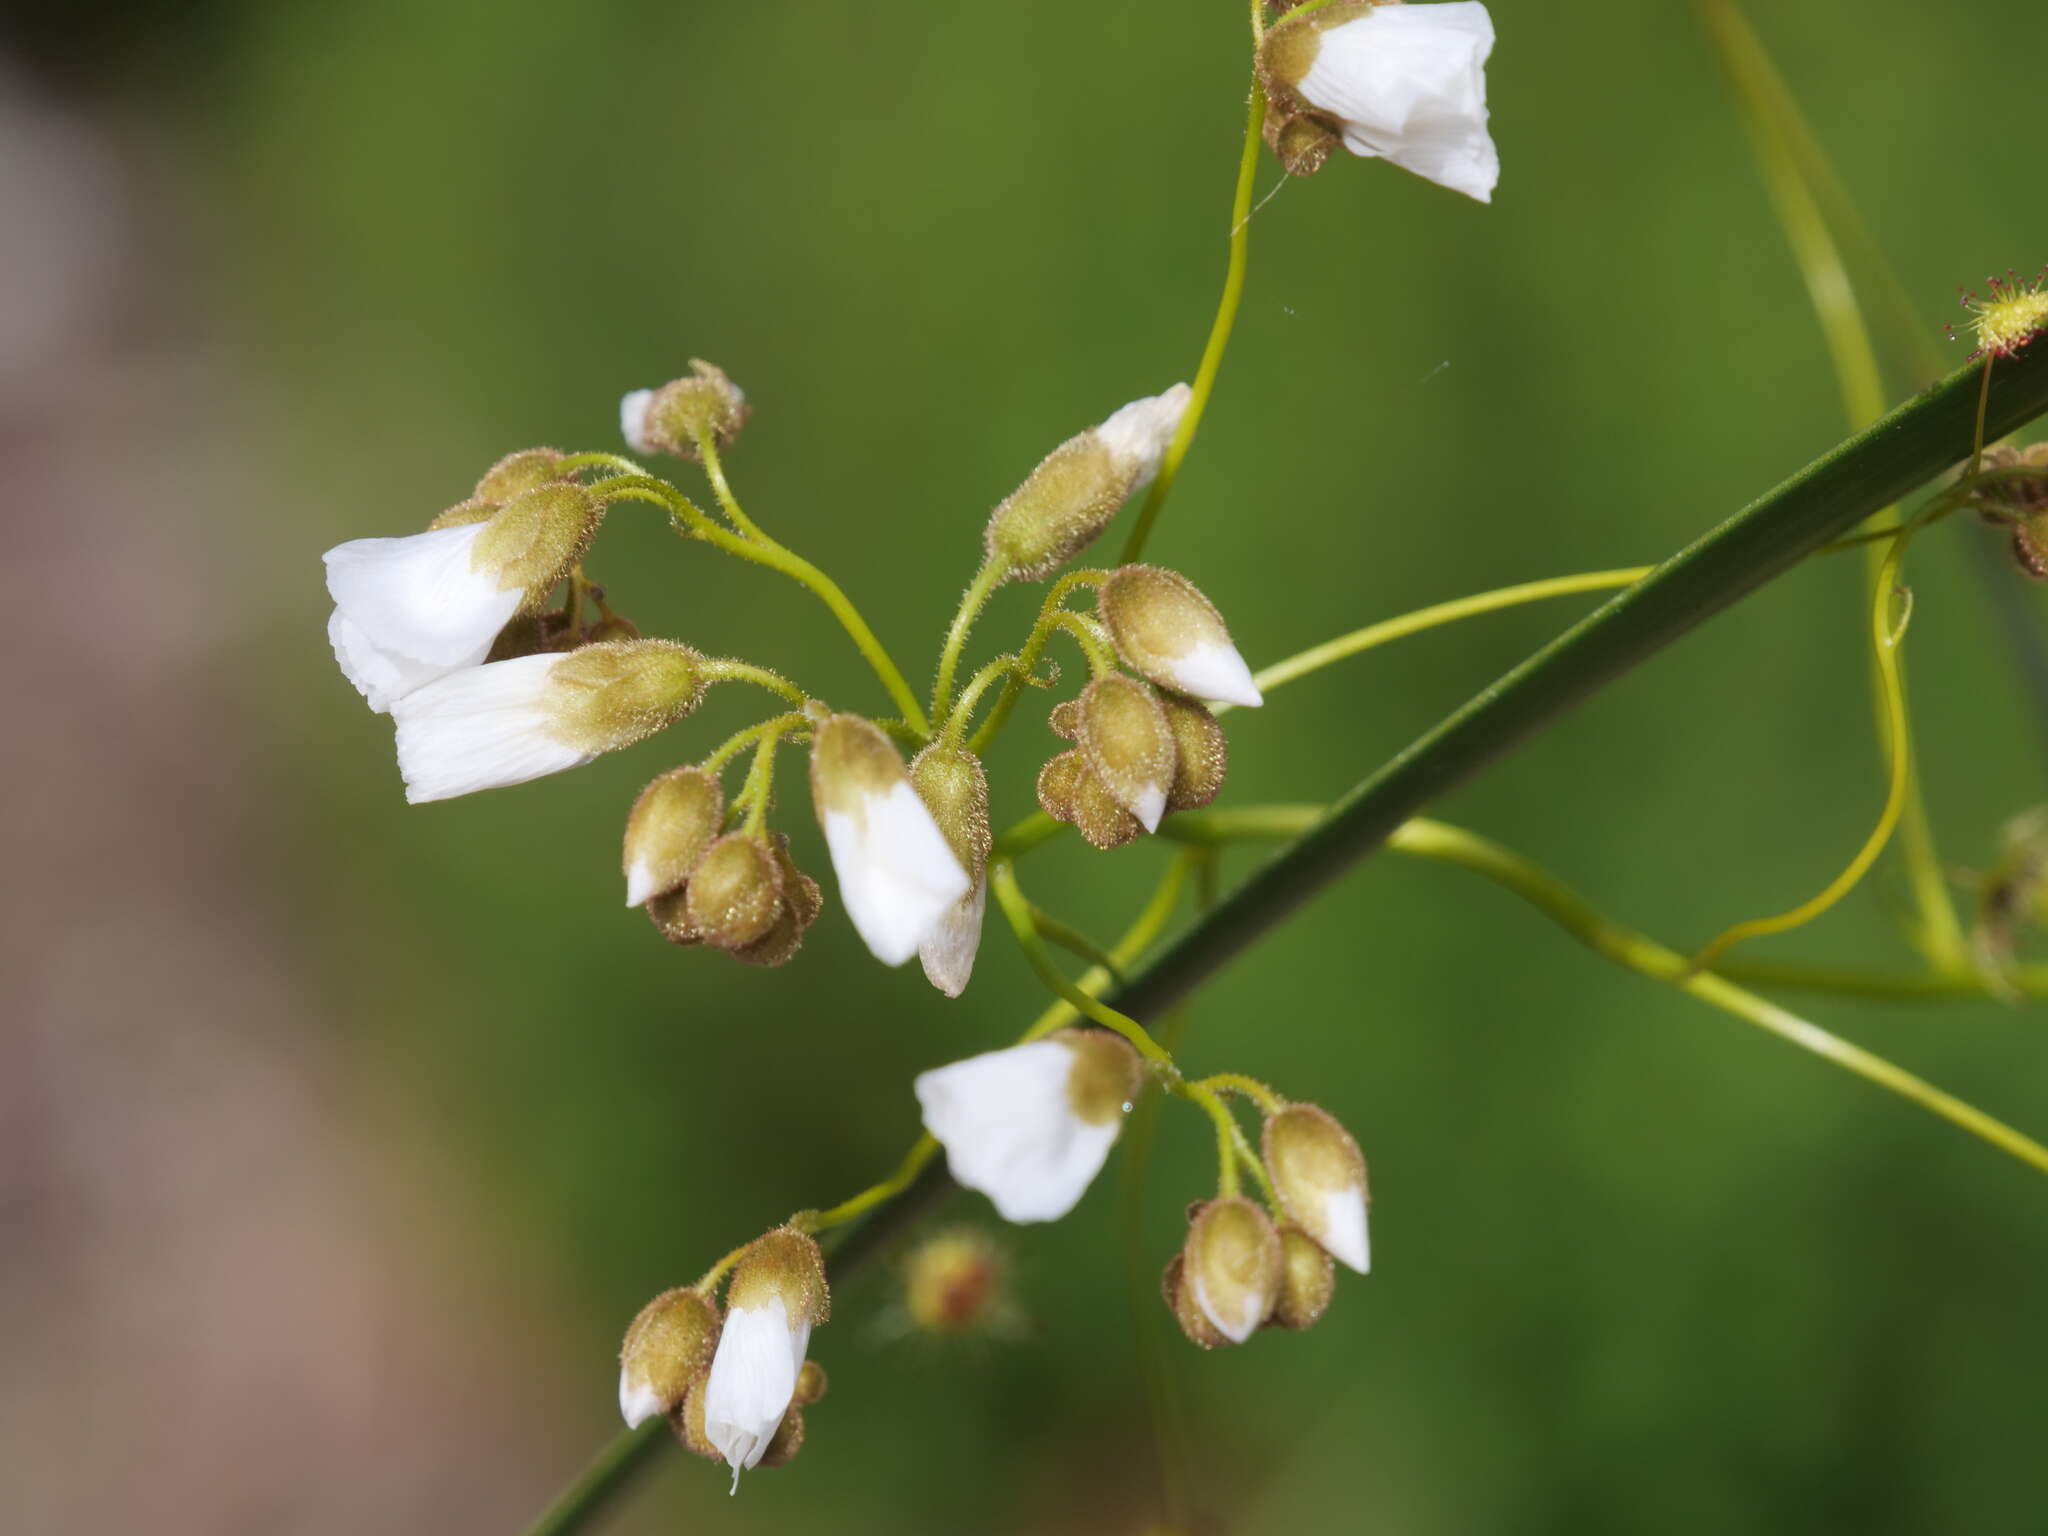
x: 896, y: 873
x: 776, y: 1295
x: 409, y: 610
x: 1404, y: 82
x: 1031, y: 1126
x: 491, y: 726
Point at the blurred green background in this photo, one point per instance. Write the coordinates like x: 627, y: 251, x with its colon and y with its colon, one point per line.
x: 345, y: 1137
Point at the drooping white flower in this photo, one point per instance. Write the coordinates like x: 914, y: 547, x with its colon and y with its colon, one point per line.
x: 1405, y: 82
x: 1031, y: 1126
x: 897, y: 876
x: 1168, y: 631
x: 777, y: 1294
x: 1319, y: 1174
x: 510, y: 721
x: 410, y: 610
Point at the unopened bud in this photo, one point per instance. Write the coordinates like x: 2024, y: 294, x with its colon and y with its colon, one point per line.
x: 1180, y: 1301
x: 669, y: 912
x: 954, y: 788
x: 1308, y: 1280
x: 1201, y: 753
x: 536, y: 536
x: 1300, y: 143
x: 517, y: 473
x: 464, y: 513
x: 734, y: 895
x: 1319, y: 1174
x: 1233, y: 1266
x: 787, y: 1440
x: 668, y: 1344
x: 688, y: 1421
x: 801, y: 904
x: 953, y: 1283
x: 1064, y: 719
x: 668, y: 829
x: 674, y: 417
x: 604, y: 697
x: 1071, y: 496
x: 613, y: 626
x: 810, y: 1384
x: 1128, y: 745
x: 1166, y: 630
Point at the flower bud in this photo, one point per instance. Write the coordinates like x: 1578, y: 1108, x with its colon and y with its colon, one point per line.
x: 1406, y: 82
x: 897, y: 875
x: 1070, y: 498
x: 668, y: 1344
x: 536, y: 536
x: 473, y: 510
x: 801, y: 904
x: 668, y: 829
x: 734, y: 893
x: 512, y: 721
x: 1070, y: 792
x: 1031, y: 1126
x: 1166, y: 630
x: 1233, y: 1266
x: 810, y: 1384
x: 776, y: 1296
x: 954, y: 788
x: 672, y: 418
x: 1128, y: 745
x: 669, y: 912
x: 1180, y: 1301
x: 520, y: 472
x: 1064, y: 721
x: 1300, y: 143
x: 1201, y: 753
x: 688, y: 1420
x: 1308, y: 1280
x: 787, y: 1441
x: 1319, y: 1174
x: 953, y: 1283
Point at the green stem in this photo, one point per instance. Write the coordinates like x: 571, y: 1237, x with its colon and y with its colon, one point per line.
x: 1002, y: 880
x: 1646, y: 957
x: 980, y: 683
x: 1219, y: 329
x: 714, y: 471
x: 740, y: 740
x: 921, y: 1152
x: 727, y: 670
x: 1236, y: 1082
x: 986, y: 580
x: 601, y: 1482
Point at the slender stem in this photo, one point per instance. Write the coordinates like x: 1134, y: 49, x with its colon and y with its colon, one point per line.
x: 1236, y: 1082
x: 1219, y: 329
x: 727, y: 670
x: 714, y: 471
x: 1318, y: 656
x: 695, y: 523
x: 986, y: 580
x: 602, y: 1481
x: 1042, y: 628
x: 1646, y: 957
x: 1226, y: 1145
x: 980, y: 683
x: 740, y: 740
x: 618, y: 463
x: 759, y: 788
x: 721, y: 1269
x: 921, y: 1152
x: 1002, y: 880
x: 1073, y: 941
x: 1094, y: 643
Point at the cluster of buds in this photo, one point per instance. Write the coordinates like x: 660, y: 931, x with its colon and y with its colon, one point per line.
x: 733, y: 1383
x: 1406, y: 83
x: 2016, y: 497
x: 1143, y: 748
x: 1241, y: 1269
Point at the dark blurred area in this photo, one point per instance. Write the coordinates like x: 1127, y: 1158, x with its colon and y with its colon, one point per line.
x: 339, y: 1138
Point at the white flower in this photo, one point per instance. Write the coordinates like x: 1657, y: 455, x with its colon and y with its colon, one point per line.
x: 1138, y: 435
x: 949, y: 949
x: 633, y: 421
x: 483, y: 728
x: 1030, y: 1126
x: 1408, y: 82
x: 897, y: 875
x: 753, y: 1380
x: 412, y: 609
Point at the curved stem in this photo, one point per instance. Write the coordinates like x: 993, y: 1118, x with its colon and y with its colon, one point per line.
x: 1219, y: 329
x: 727, y: 670
x: 714, y: 471
x: 740, y: 740
x: 980, y: 683
x: 1236, y: 1082
x: 1646, y: 957
x: 1002, y: 880
x: 986, y: 580
x: 759, y: 788
x: 1042, y: 628
x: 601, y: 1481
x: 921, y: 1152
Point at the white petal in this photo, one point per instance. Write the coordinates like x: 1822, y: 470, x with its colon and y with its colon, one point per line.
x: 1209, y: 670
x: 481, y: 728
x: 640, y: 886
x: 421, y: 596
x: 1009, y: 1129
x: 379, y: 675
x: 1139, y: 434
x: 1148, y: 805
x: 633, y: 420
x: 1236, y: 1323
x: 1343, y: 1234
x: 1408, y: 82
x: 949, y: 949
x: 638, y: 1401
x: 752, y: 1381
x: 897, y: 876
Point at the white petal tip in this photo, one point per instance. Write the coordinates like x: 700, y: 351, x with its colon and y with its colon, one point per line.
x: 637, y: 1402
x: 1150, y: 806
x: 633, y: 420
x: 1344, y: 1236
x: 640, y: 884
